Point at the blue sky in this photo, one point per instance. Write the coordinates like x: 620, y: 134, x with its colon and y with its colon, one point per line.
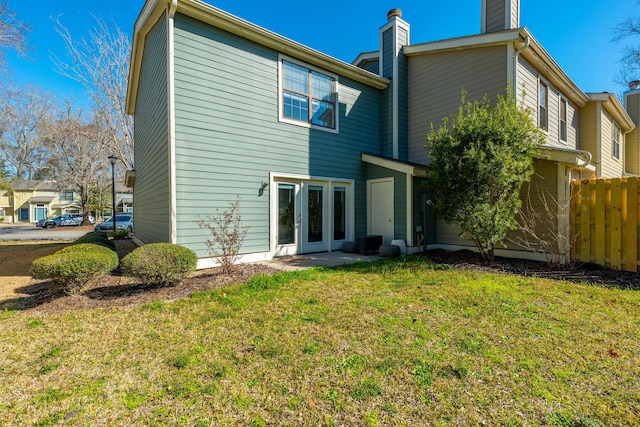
x: 577, y: 33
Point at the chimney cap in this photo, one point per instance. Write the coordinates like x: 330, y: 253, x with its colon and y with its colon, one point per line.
x: 634, y: 84
x: 393, y: 13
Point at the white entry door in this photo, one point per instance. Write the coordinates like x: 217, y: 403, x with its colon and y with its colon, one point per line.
x: 380, y: 208
x: 311, y: 215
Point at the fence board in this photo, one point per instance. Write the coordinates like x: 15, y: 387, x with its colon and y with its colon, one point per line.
x: 604, y: 222
x: 600, y: 223
x: 631, y: 263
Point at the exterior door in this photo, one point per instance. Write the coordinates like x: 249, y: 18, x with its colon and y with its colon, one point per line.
x: 380, y: 208
x: 288, y: 218
x: 40, y: 212
x: 314, y: 217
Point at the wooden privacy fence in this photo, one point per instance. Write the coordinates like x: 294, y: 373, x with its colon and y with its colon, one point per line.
x: 604, y: 222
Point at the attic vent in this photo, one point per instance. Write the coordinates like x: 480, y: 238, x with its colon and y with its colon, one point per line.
x: 635, y: 84
x: 393, y: 13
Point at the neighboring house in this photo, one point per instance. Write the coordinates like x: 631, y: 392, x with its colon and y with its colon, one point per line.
x: 34, y: 200
x: 320, y: 151
x: 6, y: 206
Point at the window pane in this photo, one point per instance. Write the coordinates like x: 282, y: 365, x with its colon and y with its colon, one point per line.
x: 323, y: 114
x: 339, y: 213
x: 286, y: 214
x: 315, y: 220
x: 542, y: 107
x: 296, y: 107
x: 322, y: 86
x: 296, y: 78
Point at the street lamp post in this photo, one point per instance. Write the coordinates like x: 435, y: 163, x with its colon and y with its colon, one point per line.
x: 113, y: 159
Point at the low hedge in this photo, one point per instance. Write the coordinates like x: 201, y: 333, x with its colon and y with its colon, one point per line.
x: 160, y: 263
x: 97, y: 238
x: 75, y: 267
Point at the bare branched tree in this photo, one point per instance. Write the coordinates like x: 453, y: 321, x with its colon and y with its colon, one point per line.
x: 13, y: 33
x: 101, y: 63
x: 540, y: 222
x: 77, y: 154
x: 629, y: 28
x: 24, y: 112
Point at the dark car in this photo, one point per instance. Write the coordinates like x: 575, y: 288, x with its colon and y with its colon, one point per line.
x: 124, y: 221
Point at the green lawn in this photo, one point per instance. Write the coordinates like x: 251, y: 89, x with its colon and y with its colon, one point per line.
x: 400, y: 343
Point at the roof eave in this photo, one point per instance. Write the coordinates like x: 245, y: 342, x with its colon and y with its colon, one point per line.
x: 220, y: 19
x: 615, y: 108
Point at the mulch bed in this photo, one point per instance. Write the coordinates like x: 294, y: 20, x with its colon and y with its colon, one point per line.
x: 116, y: 290
x: 581, y: 272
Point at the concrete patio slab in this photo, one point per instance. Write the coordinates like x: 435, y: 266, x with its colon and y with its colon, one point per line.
x: 323, y: 259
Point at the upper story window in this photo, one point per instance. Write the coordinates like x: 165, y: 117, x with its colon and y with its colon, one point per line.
x: 66, y: 195
x: 615, y: 141
x: 308, y: 96
x: 543, y: 106
x: 563, y: 120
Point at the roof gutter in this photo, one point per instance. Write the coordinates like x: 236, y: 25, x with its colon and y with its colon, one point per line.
x: 576, y: 158
x: 220, y: 19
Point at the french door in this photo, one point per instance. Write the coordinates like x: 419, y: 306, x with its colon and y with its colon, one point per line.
x: 310, y: 216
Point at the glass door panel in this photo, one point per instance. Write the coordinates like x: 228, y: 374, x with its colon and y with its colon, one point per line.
x: 315, y: 217
x: 339, y: 213
x: 286, y: 214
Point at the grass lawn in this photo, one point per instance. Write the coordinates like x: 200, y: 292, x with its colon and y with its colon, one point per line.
x: 401, y: 343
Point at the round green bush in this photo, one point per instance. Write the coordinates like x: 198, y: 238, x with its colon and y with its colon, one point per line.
x: 97, y: 238
x: 160, y: 263
x: 75, y: 267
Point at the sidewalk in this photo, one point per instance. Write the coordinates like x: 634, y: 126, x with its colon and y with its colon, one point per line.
x: 323, y: 259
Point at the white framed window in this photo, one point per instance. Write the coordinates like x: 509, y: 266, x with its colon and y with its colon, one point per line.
x: 543, y: 105
x: 66, y: 195
x: 308, y: 96
x: 615, y: 141
x: 563, y: 120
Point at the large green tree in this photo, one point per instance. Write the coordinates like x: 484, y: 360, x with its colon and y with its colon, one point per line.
x: 480, y: 157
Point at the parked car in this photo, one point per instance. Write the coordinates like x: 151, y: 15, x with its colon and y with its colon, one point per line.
x: 124, y: 221
x: 63, y: 221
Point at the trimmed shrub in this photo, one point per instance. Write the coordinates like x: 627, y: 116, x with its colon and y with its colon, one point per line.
x: 97, y: 238
x: 160, y: 263
x: 75, y: 267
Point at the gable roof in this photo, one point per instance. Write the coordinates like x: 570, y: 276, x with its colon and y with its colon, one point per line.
x: 33, y: 184
x: 526, y: 45
x: 154, y: 9
x: 613, y: 106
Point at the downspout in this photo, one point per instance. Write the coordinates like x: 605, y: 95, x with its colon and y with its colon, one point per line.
x: 515, y: 63
x: 173, y: 221
x: 586, y: 160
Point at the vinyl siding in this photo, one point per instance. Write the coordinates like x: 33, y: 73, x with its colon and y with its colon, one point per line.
x: 152, y: 190
x: 399, y: 194
x: 611, y: 167
x: 539, y: 196
x: 229, y: 139
x: 495, y: 16
x: 589, y: 131
x: 632, y: 139
x: 437, y: 80
x: 373, y: 66
x: 527, y: 89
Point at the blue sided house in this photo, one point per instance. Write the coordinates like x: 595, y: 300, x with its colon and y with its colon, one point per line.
x: 320, y: 151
